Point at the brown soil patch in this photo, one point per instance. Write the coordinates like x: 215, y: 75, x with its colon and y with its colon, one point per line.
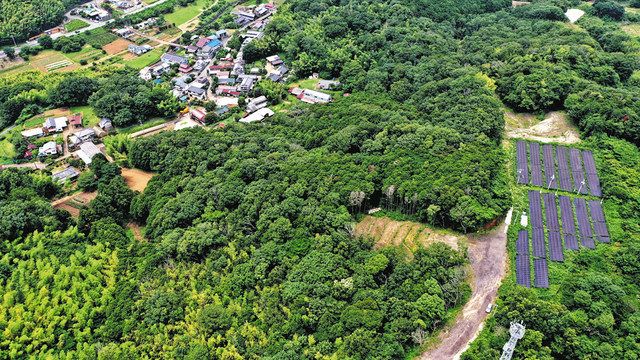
x: 136, y: 179
x: 73, y: 203
x: 408, y: 234
x: 555, y: 127
x: 137, y: 232
x: 116, y: 46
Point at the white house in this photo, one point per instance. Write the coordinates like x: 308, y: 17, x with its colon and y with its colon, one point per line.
x: 257, y: 116
x: 87, y: 151
x: 49, y: 148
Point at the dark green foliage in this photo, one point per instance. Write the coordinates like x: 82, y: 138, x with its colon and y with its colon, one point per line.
x: 608, y: 9
x: 25, y: 18
x: 73, y: 91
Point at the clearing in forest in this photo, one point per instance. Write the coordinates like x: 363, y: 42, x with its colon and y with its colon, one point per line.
x: 407, y: 234
x: 73, y: 203
x: 555, y: 127
x: 136, y: 179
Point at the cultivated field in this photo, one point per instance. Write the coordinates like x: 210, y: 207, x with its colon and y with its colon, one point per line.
x: 408, y: 234
x: 75, y: 202
x: 136, y: 179
x: 146, y: 59
x: 116, y: 46
x: 50, y: 60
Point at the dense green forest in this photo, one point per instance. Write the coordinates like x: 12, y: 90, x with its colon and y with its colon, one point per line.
x: 25, y: 18
x: 248, y: 248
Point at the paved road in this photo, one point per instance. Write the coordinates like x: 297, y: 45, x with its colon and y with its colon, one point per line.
x: 487, y: 254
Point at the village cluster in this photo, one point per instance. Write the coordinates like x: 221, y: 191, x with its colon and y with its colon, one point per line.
x: 77, y: 141
x: 208, y: 70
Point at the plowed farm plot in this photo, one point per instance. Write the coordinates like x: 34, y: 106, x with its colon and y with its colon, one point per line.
x: 116, y: 46
x: 73, y: 203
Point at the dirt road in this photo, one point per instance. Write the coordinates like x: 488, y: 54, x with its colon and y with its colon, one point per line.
x: 487, y: 254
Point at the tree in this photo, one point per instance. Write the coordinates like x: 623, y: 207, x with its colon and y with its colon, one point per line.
x: 74, y: 91
x: 46, y: 42
x: 10, y: 52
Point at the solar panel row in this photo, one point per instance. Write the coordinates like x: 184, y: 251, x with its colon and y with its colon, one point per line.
x: 555, y: 246
x: 551, y: 212
x: 537, y: 243
x: 568, y: 223
x: 523, y: 270
x: 584, y: 226
x: 522, y: 244
x: 535, y: 209
x: 536, y: 169
x: 523, y: 169
x: 549, y: 166
x: 579, y: 182
x: 592, y: 176
x: 599, y: 222
x: 541, y: 273
x: 563, y: 169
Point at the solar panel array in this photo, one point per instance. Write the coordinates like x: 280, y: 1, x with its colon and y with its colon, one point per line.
x: 523, y: 167
x: 565, y: 168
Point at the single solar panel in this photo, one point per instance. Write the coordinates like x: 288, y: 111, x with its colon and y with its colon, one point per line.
x: 579, y: 182
x: 536, y: 166
x: 564, y: 175
x: 549, y: 166
x: 570, y: 242
x: 555, y: 246
x: 551, y: 212
x: 523, y: 270
x: 537, y: 243
x: 522, y: 172
x: 522, y: 244
x: 535, y: 209
x: 541, y: 273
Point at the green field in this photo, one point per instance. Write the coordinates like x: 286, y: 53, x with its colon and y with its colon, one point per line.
x: 75, y: 24
x: 87, y: 53
x: 89, y: 117
x: 99, y: 37
x: 7, y: 151
x: 143, y: 60
x: 183, y: 14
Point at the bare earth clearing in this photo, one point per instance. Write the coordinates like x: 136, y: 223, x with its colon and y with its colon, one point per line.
x: 116, y: 46
x: 554, y: 128
x: 487, y: 255
x: 136, y: 179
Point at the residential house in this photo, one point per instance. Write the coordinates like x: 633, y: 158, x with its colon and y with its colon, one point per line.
x: 221, y: 34
x: 247, y: 82
x: 169, y: 58
x: 197, y: 92
x: 192, y: 49
x: 67, y: 174
x: 35, y: 132
x: 296, y: 91
x: 139, y: 50
x: 124, y: 32
x: 199, y: 65
x: 257, y: 116
x: 244, y: 16
x: 155, y: 70
x: 327, y: 84
x: 105, y: 124
x: 257, y: 104
x: 185, y: 68
x: 313, y: 97
x: 251, y: 34
x: 55, y: 124
x: 75, y: 121
x: 87, y: 151
x: 85, y: 134
x: 226, y: 65
x: 49, y: 148
x: 227, y: 90
x: 275, y: 60
x: 222, y: 110
x: 198, y: 115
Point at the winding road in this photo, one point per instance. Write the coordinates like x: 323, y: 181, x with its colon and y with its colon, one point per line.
x: 488, y: 258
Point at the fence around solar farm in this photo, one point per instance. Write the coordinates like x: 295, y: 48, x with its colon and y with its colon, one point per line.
x: 581, y: 221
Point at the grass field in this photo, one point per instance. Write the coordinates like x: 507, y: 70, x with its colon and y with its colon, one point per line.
x: 632, y: 29
x: 183, y: 14
x: 143, y: 60
x: 89, y: 117
x: 75, y: 24
x: 7, y: 151
x: 99, y: 37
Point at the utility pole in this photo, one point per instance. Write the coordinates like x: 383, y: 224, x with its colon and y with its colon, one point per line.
x: 580, y: 188
x: 517, y: 332
x: 550, y: 181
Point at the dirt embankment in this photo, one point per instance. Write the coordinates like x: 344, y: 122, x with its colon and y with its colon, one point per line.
x: 407, y: 234
x: 555, y: 127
